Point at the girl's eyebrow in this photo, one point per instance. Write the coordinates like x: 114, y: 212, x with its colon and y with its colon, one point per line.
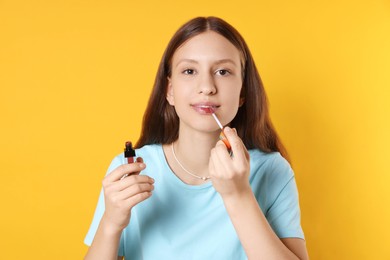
x: 186, y: 60
x: 218, y: 62
x: 225, y: 61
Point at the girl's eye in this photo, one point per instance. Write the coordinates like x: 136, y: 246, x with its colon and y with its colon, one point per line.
x: 189, y: 71
x: 223, y: 72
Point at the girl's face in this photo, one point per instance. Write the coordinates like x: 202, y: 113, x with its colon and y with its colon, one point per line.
x: 206, y: 73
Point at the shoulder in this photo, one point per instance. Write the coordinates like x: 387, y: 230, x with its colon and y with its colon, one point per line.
x: 271, y: 175
x: 269, y: 162
x: 269, y: 171
x: 150, y: 152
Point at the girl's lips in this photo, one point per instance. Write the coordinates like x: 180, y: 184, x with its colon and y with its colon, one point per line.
x: 205, y: 109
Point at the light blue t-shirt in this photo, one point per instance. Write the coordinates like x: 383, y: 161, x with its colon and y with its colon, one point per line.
x: 181, y: 221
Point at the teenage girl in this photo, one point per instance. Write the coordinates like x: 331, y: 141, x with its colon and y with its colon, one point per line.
x: 188, y: 196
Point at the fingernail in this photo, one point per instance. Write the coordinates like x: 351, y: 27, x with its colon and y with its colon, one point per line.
x: 227, y: 129
x: 142, y: 165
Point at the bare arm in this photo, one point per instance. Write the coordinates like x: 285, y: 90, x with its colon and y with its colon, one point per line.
x: 105, y: 243
x: 256, y: 235
x: 120, y: 196
x: 230, y: 178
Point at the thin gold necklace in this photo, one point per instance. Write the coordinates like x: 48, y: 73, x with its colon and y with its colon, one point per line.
x: 187, y: 171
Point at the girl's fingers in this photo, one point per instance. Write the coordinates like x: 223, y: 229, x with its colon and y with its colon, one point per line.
x: 125, y: 193
x: 124, y: 169
x: 221, y: 151
x: 139, y: 197
x: 134, y: 190
x: 223, y: 164
x: 130, y: 181
x: 240, y: 153
x: 233, y: 138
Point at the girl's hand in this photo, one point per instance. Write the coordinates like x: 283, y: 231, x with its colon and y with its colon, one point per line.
x: 122, y: 194
x: 230, y: 174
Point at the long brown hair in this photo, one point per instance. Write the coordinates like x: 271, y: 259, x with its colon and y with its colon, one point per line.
x: 252, y: 122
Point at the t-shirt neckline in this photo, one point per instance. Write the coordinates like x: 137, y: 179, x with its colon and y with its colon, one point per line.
x: 172, y: 176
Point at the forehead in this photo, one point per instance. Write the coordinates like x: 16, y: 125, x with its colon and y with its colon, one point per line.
x: 207, y: 46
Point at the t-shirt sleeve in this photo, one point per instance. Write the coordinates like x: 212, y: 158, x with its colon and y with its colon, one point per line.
x: 276, y: 190
x: 100, y: 205
x: 284, y: 215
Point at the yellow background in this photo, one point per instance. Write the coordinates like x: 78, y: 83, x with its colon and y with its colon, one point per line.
x: 75, y: 77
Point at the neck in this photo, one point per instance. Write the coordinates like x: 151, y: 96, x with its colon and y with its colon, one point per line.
x: 192, y: 150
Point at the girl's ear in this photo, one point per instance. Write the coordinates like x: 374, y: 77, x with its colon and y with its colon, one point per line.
x: 170, y: 98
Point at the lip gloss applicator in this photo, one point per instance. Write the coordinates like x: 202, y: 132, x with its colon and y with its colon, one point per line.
x: 129, y: 154
x: 221, y: 135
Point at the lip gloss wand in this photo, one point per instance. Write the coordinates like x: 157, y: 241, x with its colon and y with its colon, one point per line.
x: 222, y: 135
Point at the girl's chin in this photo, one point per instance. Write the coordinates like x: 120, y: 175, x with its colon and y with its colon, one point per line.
x: 201, y: 127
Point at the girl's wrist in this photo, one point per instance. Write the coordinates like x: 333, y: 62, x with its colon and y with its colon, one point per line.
x: 240, y: 203
x: 233, y: 199
x: 109, y: 228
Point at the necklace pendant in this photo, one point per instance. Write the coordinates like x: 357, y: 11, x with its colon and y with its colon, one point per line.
x: 204, y: 178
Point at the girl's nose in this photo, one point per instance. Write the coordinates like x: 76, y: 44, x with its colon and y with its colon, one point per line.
x: 207, y: 85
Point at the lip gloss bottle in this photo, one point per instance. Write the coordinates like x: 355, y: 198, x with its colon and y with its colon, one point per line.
x: 129, y: 154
